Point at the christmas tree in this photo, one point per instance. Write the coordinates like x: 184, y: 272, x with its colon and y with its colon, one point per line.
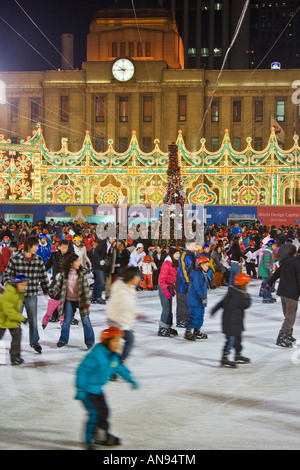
x: 174, y: 199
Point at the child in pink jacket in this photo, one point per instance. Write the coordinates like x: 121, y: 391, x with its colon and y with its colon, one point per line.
x: 166, y: 285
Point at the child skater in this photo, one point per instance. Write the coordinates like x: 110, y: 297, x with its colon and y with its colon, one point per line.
x: 197, y: 299
x: 74, y: 293
x: 122, y: 308
x: 11, y: 302
x: 96, y: 369
x: 234, y: 305
x: 147, y: 266
x: 166, y: 290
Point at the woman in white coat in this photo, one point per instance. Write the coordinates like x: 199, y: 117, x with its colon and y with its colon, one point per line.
x: 122, y: 307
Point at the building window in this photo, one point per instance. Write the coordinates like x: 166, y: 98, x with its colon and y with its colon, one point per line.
x: 140, y: 49
x: 99, y: 144
x: 123, y: 144
x: 237, y: 111
x: 280, y: 110
x: 215, y: 144
x: 182, y: 102
x: 114, y: 49
x: 64, y: 109
x: 100, y: 108
x: 258, y: 110
x: 258, y: 143
x: 236, y: 143
x: 148, y: 49
x: 147, y: 108
x: 34, y: 109
x: 147, y: 144
x: 215, y: 111
x: 131, y: 49
x: 123, y: 109
x: 14, y: 110
x: 123, y: 49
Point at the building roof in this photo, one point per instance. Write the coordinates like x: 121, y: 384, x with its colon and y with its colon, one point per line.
x: 142, y: 8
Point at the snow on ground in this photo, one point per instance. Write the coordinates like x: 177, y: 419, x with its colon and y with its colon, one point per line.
x: 185, y: 401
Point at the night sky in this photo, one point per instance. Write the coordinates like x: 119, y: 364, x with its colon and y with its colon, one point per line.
x: 53, y: 17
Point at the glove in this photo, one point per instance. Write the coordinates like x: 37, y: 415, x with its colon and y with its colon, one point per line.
x: 167, y: 295
x: 173, y: 293
x: 212, y: 285
x: 186, y: 286
x: 134, y: 385
x: 204, y: 301
x: 25, y: 320
x: 102, y: 262
x: 267, y: 288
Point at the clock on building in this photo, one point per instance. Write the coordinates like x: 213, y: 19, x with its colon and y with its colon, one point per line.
x: 123, y: 70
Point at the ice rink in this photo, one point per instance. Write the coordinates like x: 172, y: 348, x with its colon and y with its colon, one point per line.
x: 185, y: 401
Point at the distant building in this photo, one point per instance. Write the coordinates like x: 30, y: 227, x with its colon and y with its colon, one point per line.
x: 151, y: 92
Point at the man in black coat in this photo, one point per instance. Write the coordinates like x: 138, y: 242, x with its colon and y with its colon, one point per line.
x: 288, y: 274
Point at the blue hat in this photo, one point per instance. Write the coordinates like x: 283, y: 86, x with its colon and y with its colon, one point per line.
x: 20, y: 278
x: 205, y: 246
x: 43, y: 235
x: 271, y: 242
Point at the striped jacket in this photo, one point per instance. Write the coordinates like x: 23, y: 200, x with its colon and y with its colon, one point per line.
x: 35, y: 271
x: 83, y: 293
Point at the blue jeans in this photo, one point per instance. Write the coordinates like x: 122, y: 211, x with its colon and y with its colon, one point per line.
x: 69, y: 309
x: 30, y: 304
x: 99, y: 284
x: 267, y: 295
x: 166, y: 318
x: 129, y: 340
x: 234, y: 270
x: 233, y: 342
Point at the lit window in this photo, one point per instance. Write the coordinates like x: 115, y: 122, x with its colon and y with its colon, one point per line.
x: 215, y: 111
x: 182, y: 101
x: 147, y: 108
x: 280, y: 110
x: 100, y: 108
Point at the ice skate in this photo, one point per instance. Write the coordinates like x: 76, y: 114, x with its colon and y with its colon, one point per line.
x: 225, y: 362
x: 164, y: 332
x: 239, y: 359
x: 189, y: 335
x: 199, y: 335
x: 181, y: 324
x: 284, y: 340
x: 173, y: 332
x: 17, y: 361
x: 103, y: 438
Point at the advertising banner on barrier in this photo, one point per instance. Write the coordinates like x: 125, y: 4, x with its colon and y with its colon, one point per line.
x: 279, y: 215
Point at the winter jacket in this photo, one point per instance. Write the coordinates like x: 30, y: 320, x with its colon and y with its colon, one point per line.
x: 136, y: 258
x: 167, y: 276
x: 147, y: 267
x: 81, y: 252
x: 35, y: 271
x: 97, y: 368
x: 217, y: 262
x: 266, y: 263
x: 11, y: 302
x: 234, y: 305
x: 159, y: 259
x: 288, y: 274
x: 186, y: 261
x: 122, y: 305
x: 4, y: 258
x: 83, y: 293
x: 55, y: 262
x: 44, y: 251
x: 197, y: 293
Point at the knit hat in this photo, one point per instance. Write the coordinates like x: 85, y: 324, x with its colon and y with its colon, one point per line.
x: 173, y: 250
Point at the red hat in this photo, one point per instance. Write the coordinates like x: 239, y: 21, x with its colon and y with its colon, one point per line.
x: 202, y: 259
x: 110, y: 332
x: 252, y: 243
x: 69, y: 237
x: 148, y: 258
x: 241, y: 279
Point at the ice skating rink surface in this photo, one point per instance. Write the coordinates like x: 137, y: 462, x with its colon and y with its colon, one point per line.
x: 185, y: 401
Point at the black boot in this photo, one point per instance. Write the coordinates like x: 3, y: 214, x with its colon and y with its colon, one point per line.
x: 199, y: 335
x: 189, y: 335
x: 103, y: 438
x: 225, y: 362
x: 239, y: 359
x: 284, y: 340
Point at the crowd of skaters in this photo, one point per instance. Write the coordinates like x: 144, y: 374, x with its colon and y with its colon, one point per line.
x: 57, y: 257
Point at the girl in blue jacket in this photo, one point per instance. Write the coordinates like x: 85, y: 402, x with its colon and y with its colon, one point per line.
x: 197, y: 299
x: 93, y: 373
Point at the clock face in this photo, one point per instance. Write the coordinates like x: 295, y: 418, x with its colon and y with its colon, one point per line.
x: 123, y: 70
